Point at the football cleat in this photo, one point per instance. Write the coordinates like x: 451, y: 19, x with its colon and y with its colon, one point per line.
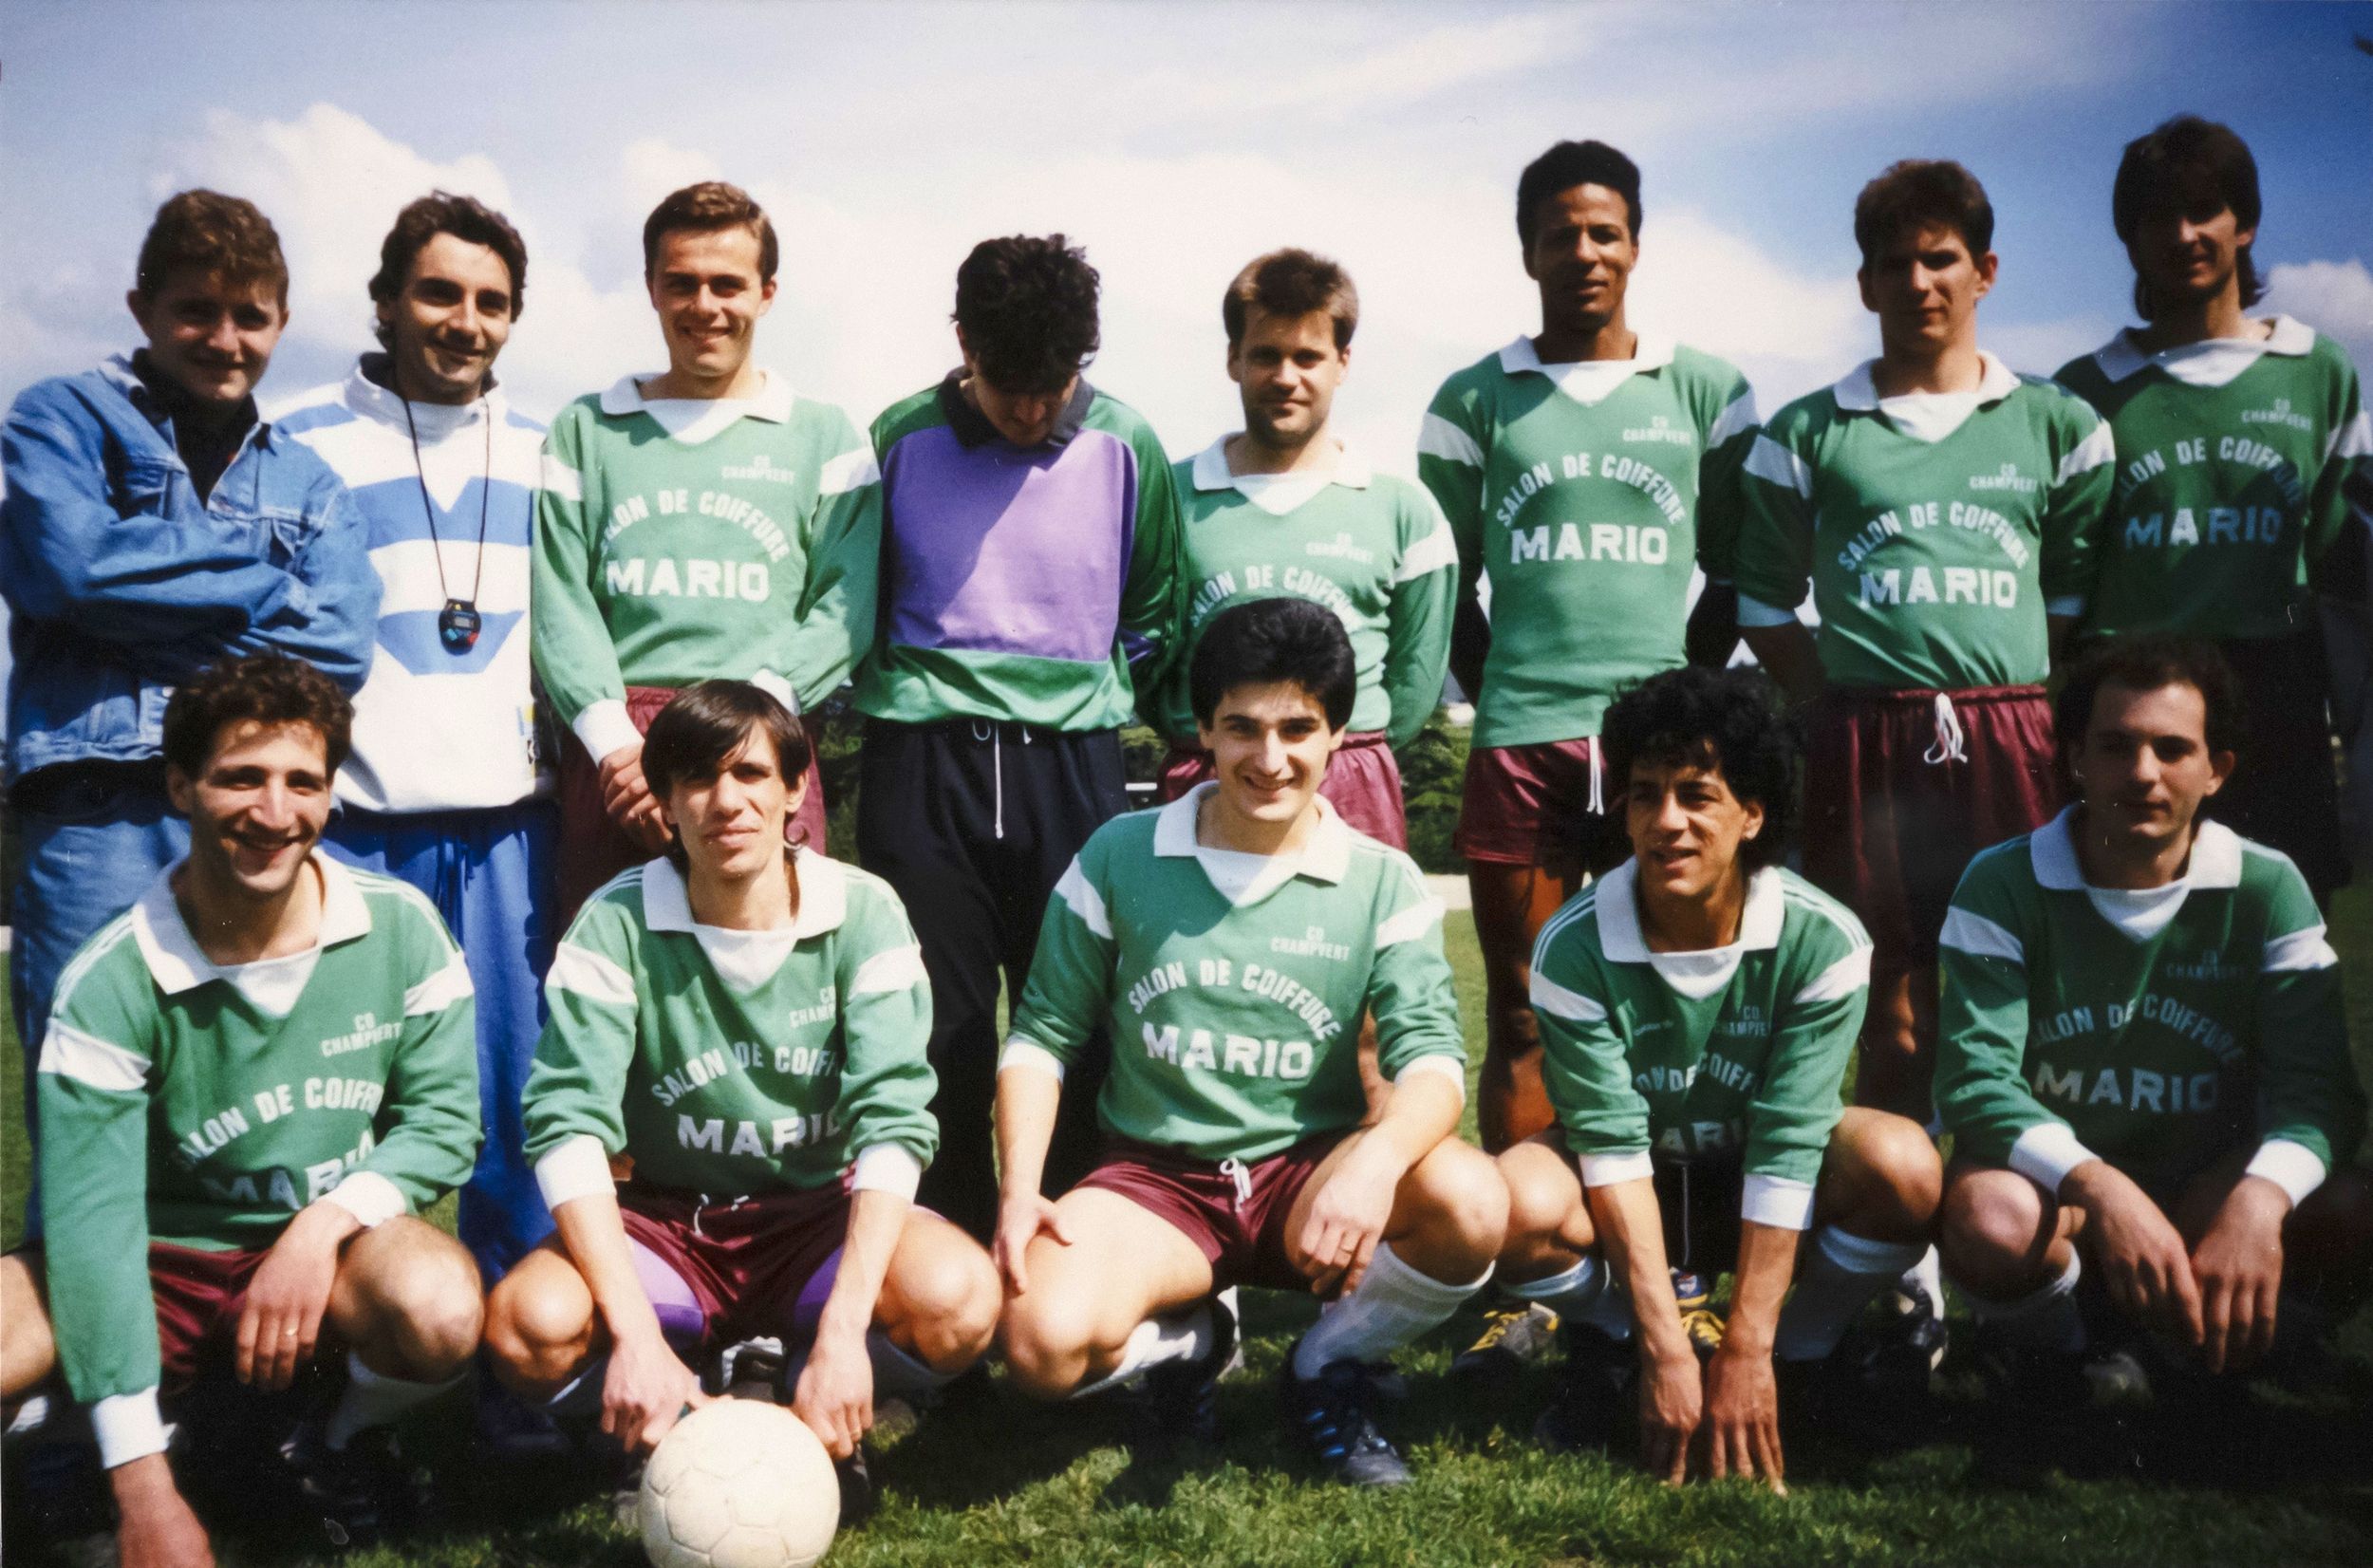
x: 1332, y: 1411
x: 1699, y: 1320
x: 1513, y: 1338
x: 359, y: 1493
x: 1178, y: 1401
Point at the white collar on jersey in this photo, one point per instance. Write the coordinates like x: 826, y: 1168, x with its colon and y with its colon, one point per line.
x: 1325, y: 856
x: 823, y: 897
x: 2051, y: 850
x: 1697, y: 975
x: 1280, y: 494
x: 693, y: 420
x: 178, y: 963
x: 2212, y: 361
x: 435, y: 421
x: 1590, y: 380
x: 1925, y: 416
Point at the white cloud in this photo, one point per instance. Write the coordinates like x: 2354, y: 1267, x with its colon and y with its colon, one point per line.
x: 2334, y: 297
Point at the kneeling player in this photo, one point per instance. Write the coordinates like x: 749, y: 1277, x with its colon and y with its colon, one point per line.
x: 739, y: 1030
x: 251, y: 1080
x: 1697, y: 1006
x: 1230, y: 942
x: 2144, y: 1061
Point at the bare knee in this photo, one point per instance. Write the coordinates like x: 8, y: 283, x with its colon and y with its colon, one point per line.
x: 539, y: 1327
x: 1994, y: 1234
x: 1548, y: 1225
x: 1457, y: 1212
x: 430, y: 1311
x: 947, y: 1305
x: 28, y: 1348
x: 1048, y: 1337
x: 1882, y: 1176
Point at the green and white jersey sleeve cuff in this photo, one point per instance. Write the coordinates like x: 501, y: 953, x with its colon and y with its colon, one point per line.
x: 372, y: 1199
x: 887, y: 1167
x: 2294, y: 1167
x: 1778, y: 1202
x: 1019, y: 1052
x: 1754, y: 613
x: 576, y: 1167
x: 2046, y: 1153
x: 128, y: 1427
x: 1609, y: 1169
x: 602, y: 727
x: 1440, y: 1064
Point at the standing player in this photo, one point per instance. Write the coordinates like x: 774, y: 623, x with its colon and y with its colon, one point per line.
x: 703, y: 522
x: 2233, y: 437
x: 1943, y: 512
x: 1584, y: 471
x: 444, y: 789
x: 1697, y: 1007
x: 1283, y: 507
x: 2145, y: 1063
x: 252, y: 1080
x: 1032, y: 578
x: 1228, y: 945
x: 739, y: 1029
x: 153, y: 523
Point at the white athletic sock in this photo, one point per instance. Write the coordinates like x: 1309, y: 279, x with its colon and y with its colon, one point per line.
x: 373, y: 1399
x: 1394, y: 1305
x: 1839, y: 1277
x: 1572, y: 1292
x: 1172, y: 1337
x: 1928, y: 1274
x: 899, y: 1373
x: 2046, y: 1318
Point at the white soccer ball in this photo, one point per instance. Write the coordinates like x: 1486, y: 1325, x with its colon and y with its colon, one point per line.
x: 738, y: 1484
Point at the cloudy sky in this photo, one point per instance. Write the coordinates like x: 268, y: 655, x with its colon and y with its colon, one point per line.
x: 1176, y: 141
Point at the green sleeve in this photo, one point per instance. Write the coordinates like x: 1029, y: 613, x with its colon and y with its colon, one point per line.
x: 1410, y: 991
x: 1727, y: 432
x: 1069, y: 995
x: 1583, y: 1062
x: 842, y: 597
x: 2077, y: 510
x: 1417, y: 635
x: 1775, y: 527
x: 2351, y: 452
x: 1981, y: 1088
x: 429, y: 1126
x: 1450, y: 449
x: 2308, y: 1088
x: 1797, y: 1105
x: 97, y: 1073
x: 885, y: 1077
x: 570, y: 640
x: 1153, y: 599
x: 578, y: 1085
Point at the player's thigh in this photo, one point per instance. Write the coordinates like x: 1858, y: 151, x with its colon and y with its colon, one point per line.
x: 28, y: 1350
x: 406, y: 1274
x: 1123, y: 1264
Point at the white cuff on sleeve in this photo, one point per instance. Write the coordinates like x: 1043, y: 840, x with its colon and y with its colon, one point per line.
x: 128, y: 1427
x: 1607, y: 1170
x: 1022, y: 1052
x: 1440, y: 1065
x: 604, y: 727
x: 1777, y: 1202
x: 886, y: 1167
x: 2294, y: 1167
x: 2047, y: 1152
x: 577, y: 1169
x: 372, y: 1199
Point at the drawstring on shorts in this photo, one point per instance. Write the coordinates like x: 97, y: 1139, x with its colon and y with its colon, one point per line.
x: 1950, y: 746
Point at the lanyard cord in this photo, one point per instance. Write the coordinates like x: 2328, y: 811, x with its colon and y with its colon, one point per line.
x: 485, y: 489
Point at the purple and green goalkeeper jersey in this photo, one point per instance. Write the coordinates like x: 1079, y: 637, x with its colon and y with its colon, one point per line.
x: 2232, y: 459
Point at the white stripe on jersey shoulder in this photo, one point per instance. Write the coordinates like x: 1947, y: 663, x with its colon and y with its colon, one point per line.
x: 561, y: 479
x: 108, y: 938
x: 2353, y: 439
x: 1414, y: 920
x: 1738, y: 417
x: 1550, y: 997
x: 1438, y: 438
x: 1803, y: 895
x: 1973, y: 934
x: 1436, y: 552
x: 440, y: 990
x: 2098, y: 450
x: 582, y: 972
x: 853, y: 470
x: 2303, y: 949
x: 379, y: 885
x: 70, y: 1053
x: 1843, y: 978
x: 892, y: 969
x: 1582, y: 906
x: 1080, y: 896
x: 1775, y: 464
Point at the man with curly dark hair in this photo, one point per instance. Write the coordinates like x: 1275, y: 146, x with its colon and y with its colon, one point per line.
x: 1697, y: 1006
x: 1031, y: 573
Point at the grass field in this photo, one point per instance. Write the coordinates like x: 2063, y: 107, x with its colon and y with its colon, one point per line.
x: 2283, y: 1480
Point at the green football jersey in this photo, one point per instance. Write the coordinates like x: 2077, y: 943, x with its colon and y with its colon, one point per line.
x: 733, y: 1062
x: 680, y: 540
x: 1584, y: 493
x: 203, y: 1105
x: 2232, y: 456
x: 2157, y: 1030
x: 1736, y: 1054
x: 1933, y: 532
x: 1232, y: 985
x: 1371, y: 547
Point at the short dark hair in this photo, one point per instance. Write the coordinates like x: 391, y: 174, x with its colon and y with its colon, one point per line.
x: 2147, y: 663
x: 264, y: 688
x: 1730, y: 719
x: 707, y: 208
x: 707, y: 722
x: 1920, y: 191
x: 2187, y: 165
x: 1263, y: 641
x: 206, y: 232
x: 1291, y: 283
x: 442, y: 213
x: 1566, y: 165
x: 1027, y: 309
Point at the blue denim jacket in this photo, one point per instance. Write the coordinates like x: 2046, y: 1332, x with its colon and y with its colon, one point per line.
x: 121, y: 582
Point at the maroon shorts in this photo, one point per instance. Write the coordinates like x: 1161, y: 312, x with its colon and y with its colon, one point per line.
x: 593, y: 849
x: 1234, y: 1212
x: 1363, y: 784
x: 1901, y: 792
x: 2283, y: 792
x: 746, y: 1261
x: 1547, y: 804
x: 199, y: 1296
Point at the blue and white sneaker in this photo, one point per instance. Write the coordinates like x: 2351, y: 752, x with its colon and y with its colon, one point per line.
x: 1332, y: 1411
